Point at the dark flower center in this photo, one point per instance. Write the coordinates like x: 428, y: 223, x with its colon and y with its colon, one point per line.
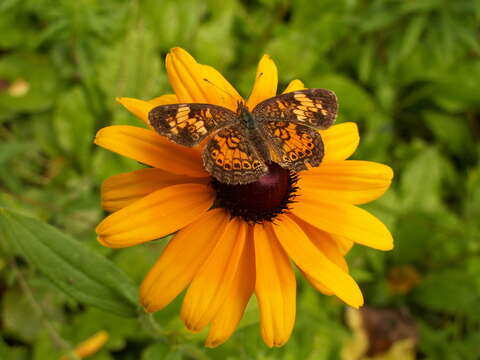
x: 260, y: 201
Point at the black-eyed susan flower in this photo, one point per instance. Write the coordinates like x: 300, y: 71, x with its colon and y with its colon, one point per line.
x: 233, y: 241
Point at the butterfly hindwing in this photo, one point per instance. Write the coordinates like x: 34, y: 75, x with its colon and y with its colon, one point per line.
x: 316, y: 108
x: 294, y: 145
x: 189, y: 124
x: 230, y: 157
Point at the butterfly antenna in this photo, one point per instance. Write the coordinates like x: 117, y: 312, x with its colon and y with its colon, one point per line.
x: 219, y: 88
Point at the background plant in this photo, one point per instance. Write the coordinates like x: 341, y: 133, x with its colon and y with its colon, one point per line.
x: 408, y: 72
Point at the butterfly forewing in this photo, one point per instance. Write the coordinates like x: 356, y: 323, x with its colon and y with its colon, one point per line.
x: 316, y: 108
x: 231, y: 158
x: 189, y: 124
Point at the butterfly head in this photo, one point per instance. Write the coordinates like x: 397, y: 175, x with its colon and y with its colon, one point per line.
x: 245, y: 115
x: 241, y: 107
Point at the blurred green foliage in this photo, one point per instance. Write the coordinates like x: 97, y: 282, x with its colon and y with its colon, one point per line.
x: 407, y: 71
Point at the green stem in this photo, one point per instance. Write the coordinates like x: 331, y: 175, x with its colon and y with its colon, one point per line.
x: 150, y: 325
x: 55, y: 336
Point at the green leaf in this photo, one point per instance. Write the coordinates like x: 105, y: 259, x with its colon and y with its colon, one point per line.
x: 43, y: 347
x: 73, y: 267
x: 446, y: 89
x: 35, y: 79
x: 90, y: 321
x: 413, y: 237
x: 214, y: 40
x: 366, y: 61
x: 174, y: 23
x: 12, y: 353
x: 412, y: 35
x: 159, y: 350
x: 130, y: 68
x: 453, y: 132
x: 452, y: 291
x: 472, y: 204
x: 16, y: 29
x: 421, y: 181
x: 74, y: 125
x: 21, y: 319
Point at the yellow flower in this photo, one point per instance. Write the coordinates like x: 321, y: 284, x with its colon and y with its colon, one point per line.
x: 224, y: 259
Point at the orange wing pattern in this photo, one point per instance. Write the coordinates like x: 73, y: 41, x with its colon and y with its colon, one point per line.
x: 294, y: 145
x: 231, y: 158
x: 316, y: 108
x: 189, y: 124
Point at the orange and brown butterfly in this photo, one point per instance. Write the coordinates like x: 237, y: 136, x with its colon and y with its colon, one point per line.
x: 282, y: 129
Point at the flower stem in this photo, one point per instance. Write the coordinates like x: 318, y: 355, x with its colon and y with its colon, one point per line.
x: 150, y: 325
x: 55, y: 336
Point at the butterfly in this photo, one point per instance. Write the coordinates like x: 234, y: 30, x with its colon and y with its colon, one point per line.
x: 281, y: 129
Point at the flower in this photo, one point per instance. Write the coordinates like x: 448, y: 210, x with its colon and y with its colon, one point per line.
x: 242, y: 245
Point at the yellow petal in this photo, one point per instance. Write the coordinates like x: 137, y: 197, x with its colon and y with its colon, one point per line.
x: 213, y: 281
x: 340, y: 141
x: 294, y: 85
x: 344, y: 220
x: 317, y: 284
x: 181, y: 259
x: 151, y: 149
x: 344, y: 244
x: 229, y: 97
x: 190, y: 80
x: 274, y: 288
x: 121, y: 190
x: 329, y: 245
x: 166, y: 99
x: 228, y: 316
x: 156, y: 215
x: 180, y: 76
x: 265, y: 82
x: 324, y: 242
x: 141, y: 108
x: 137, y: 107
x: 314, y: 262
x: 351, y: 181
x: 90, y: 346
